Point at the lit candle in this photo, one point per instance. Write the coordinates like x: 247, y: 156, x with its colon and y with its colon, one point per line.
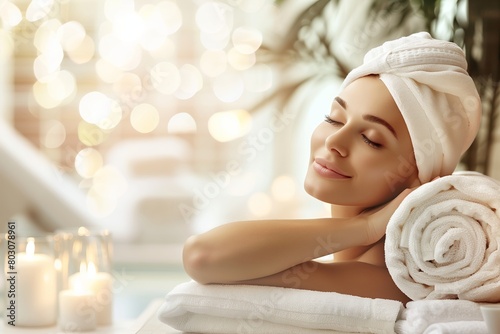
x: 36, y: 290
x: 76, y: 309
x: 101, y: 285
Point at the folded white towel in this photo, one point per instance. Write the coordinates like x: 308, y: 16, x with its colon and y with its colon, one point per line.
x: 193, y: 307
x: 459, y: 327
x: 443, y: 240
x: 420, y: 315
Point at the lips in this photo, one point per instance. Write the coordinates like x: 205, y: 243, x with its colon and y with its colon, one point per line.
x: 329, y: 170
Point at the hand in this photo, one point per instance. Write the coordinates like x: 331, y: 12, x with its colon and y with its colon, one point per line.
x: 378, y: 218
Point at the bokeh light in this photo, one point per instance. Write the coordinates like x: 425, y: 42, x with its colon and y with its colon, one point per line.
x: 165, y: 77
x: 10, y: 15
x: 191, y: 82
x: 213, y: 17
x: 96, y: 108
x: 144, y: 118
x: 90, y: 134
x: 55, y: 89
x: 247, y: 40
x: 240, y: 61
x: 124, y: 55
x: 71, y: 34
x: 260, y: 204
x: 181, y: 123
x: 38, y: 10
x: 107, y: 73
x: 84, y: 52
x: 54, y: 134
x: 87, y: 162
x: 171, y: 16
x: 225, y: 126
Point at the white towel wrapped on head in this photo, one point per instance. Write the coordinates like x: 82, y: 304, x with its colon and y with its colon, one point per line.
x: 437, y: 98
x: 443, y: 240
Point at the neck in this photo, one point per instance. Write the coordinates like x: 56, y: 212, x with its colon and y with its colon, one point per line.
x: 340, y: 211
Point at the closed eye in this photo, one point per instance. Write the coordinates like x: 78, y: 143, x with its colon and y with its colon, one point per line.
x: 371, y: 143
x: 328, y: 119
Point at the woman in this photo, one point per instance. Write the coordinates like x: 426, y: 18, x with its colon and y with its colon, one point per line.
x: 402, y: 118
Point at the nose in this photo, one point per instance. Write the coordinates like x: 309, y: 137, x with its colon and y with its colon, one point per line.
x: 337, y: 143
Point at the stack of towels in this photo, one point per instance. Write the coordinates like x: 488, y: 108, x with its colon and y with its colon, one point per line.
x: 441, y: 316
x: 230, y: 309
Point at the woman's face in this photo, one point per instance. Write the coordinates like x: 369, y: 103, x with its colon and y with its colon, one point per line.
x: 361, y: 155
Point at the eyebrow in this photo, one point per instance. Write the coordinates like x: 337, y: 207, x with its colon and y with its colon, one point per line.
x: 370, y: 118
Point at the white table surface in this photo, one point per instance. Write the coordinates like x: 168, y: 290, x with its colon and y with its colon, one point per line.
x: 146, y: 323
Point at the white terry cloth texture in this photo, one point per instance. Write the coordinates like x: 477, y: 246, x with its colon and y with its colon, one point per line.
x: 439, y: 316
x: 437, y: 98
x: 442, y: 242
x: 459, y: 327
x: 192, y: 307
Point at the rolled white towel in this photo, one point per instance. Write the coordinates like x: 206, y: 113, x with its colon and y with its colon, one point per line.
x: 443, y: 240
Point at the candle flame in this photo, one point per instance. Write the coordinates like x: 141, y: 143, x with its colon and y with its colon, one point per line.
x: 83, y: 267
x: 58, y: 264
x: 91, y: 268
x: 30, y: 247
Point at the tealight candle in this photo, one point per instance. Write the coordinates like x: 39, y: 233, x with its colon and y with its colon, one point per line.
x: 100, y: 284
x: 36, y: 290
x: 76, y: 311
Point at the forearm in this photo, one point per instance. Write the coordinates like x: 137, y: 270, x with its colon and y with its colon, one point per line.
x: 247, y: 250
x: 352, y: 278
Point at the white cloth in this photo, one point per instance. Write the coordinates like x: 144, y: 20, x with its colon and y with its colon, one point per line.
x: 459, y: 327
x: 439, y: 101
x: 192, y: 307
x: 442, y: 242
x: 424, y: 315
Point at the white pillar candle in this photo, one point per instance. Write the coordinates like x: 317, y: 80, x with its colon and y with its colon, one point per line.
x: 101, y: 285
x: 76, y: 311
x: 36, y: 291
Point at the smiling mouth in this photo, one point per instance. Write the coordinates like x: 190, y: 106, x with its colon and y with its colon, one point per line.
x: 321, y: 168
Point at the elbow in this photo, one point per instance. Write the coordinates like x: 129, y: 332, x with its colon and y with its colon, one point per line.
x: 196, y: 260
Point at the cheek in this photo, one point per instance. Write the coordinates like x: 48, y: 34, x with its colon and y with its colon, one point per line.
x: 392, y: 174
x: 317, y: 138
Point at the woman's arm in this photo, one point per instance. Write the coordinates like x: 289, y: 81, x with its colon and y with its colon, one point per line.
x: 352, y: 278
x: 246, y: 250
x: 249, y: 250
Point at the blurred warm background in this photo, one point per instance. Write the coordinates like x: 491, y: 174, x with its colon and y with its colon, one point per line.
x: 161, y: 119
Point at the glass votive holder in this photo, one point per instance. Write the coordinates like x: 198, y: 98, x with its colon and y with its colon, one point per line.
x: 491, y: 316
x: 84, y: 258
x: 30, y: 281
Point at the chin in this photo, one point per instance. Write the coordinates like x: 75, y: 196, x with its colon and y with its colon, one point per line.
x: 317, y: 192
